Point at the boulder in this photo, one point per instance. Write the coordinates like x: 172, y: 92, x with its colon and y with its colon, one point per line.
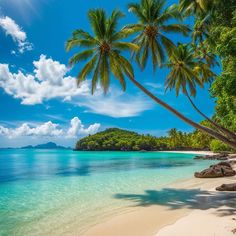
x: 221, y: 169
x: 227, y: 187
x: 222, y: 163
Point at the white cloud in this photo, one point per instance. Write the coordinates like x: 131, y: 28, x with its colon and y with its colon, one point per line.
x: 49, y: 80
x: 50, y: 129
x: 18, y: 35
x: 116, y: 105
x: 49, y: 70
x: 78, y: 128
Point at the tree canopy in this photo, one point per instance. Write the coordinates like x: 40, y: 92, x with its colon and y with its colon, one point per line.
x: 213, y: 37
x: 115, y: 139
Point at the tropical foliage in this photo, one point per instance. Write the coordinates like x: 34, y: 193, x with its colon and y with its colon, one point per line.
x: 115, y: 139
x: 186, y: 71
x: 190, y: 65
x: 152, y: 27
x: 223, y: 32
x: 103, y: 53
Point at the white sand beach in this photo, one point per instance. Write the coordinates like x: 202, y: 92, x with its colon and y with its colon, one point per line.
x: 204, y: 212
x: 192, y: 152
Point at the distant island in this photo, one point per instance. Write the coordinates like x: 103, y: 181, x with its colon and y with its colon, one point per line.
x: 114, y: 139
x: 49, y: 145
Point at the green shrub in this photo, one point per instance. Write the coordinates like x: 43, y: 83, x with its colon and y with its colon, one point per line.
x: 217, y: 146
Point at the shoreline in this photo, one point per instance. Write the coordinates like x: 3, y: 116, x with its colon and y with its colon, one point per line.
x: 201, y: 210
x: 192, y: 152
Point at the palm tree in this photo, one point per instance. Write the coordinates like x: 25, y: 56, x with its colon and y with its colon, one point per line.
x: 103, y: 53
x: 200, y: 30
x: 174, y: 135
x: 200, y: 40
x: 186, y: 73
x: 152, y: 28
x: 202, y: 52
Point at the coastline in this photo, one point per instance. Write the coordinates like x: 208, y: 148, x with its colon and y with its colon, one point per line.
x: 202, y: 212
x: 192, y: 152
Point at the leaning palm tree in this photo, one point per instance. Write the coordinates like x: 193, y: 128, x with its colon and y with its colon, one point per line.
x: 153, y: 27
x: 186, y: 73
x: 103, y: 52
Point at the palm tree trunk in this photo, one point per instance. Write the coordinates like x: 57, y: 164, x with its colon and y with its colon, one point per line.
x: 229, y: 133
x: 202, y: 128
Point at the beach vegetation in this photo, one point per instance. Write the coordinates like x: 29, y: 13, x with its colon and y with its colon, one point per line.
x: 114, y: 139
x: 190, y: 64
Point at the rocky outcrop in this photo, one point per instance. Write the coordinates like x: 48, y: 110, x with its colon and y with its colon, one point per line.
x: 219, y: 157
x: 227, y: 187
x: 221, y: 169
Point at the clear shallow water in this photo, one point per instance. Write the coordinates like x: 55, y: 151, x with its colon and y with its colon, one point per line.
x: 61, y: 192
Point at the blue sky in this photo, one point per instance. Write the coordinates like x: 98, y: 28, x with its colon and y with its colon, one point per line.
x: 39, y: 101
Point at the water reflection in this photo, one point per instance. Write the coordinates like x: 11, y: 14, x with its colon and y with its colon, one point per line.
x: 36, y: 164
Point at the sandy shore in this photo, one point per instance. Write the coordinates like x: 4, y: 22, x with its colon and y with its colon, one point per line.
x: 193, y: 152
x: 203, y: 211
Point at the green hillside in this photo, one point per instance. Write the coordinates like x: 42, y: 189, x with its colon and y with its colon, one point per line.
x: 117, y: 139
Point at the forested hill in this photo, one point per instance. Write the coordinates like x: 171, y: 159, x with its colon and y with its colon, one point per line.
x: 115, y: 139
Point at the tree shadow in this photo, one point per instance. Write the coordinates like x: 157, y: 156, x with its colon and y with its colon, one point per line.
x: 185, y: 198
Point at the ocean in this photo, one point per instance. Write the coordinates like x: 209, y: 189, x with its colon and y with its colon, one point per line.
x: 63, y: 192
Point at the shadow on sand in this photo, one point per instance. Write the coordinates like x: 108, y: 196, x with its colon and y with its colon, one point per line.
x: 186, y: 198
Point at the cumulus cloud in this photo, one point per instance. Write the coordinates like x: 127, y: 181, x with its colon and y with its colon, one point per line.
x: 50, y: 129
x: 49, y: 80
x: 49, y: 70
x: 12, y: 29
x: 78, y: 127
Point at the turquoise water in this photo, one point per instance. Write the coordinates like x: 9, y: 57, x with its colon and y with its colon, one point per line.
x: 62, y: 192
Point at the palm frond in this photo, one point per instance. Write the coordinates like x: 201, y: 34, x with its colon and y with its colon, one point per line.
x: 96, y: 75
x: 87, y: 69
x: 172, y: 12
x: 168, y: 44
x: 81, y: 56
x: 176, y: 28
x: 97, y: 20
x: 112, y: 23
x: 104, y: 72
x: 117, y: 71
x: 136, y: 9
x: 125, y: 46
